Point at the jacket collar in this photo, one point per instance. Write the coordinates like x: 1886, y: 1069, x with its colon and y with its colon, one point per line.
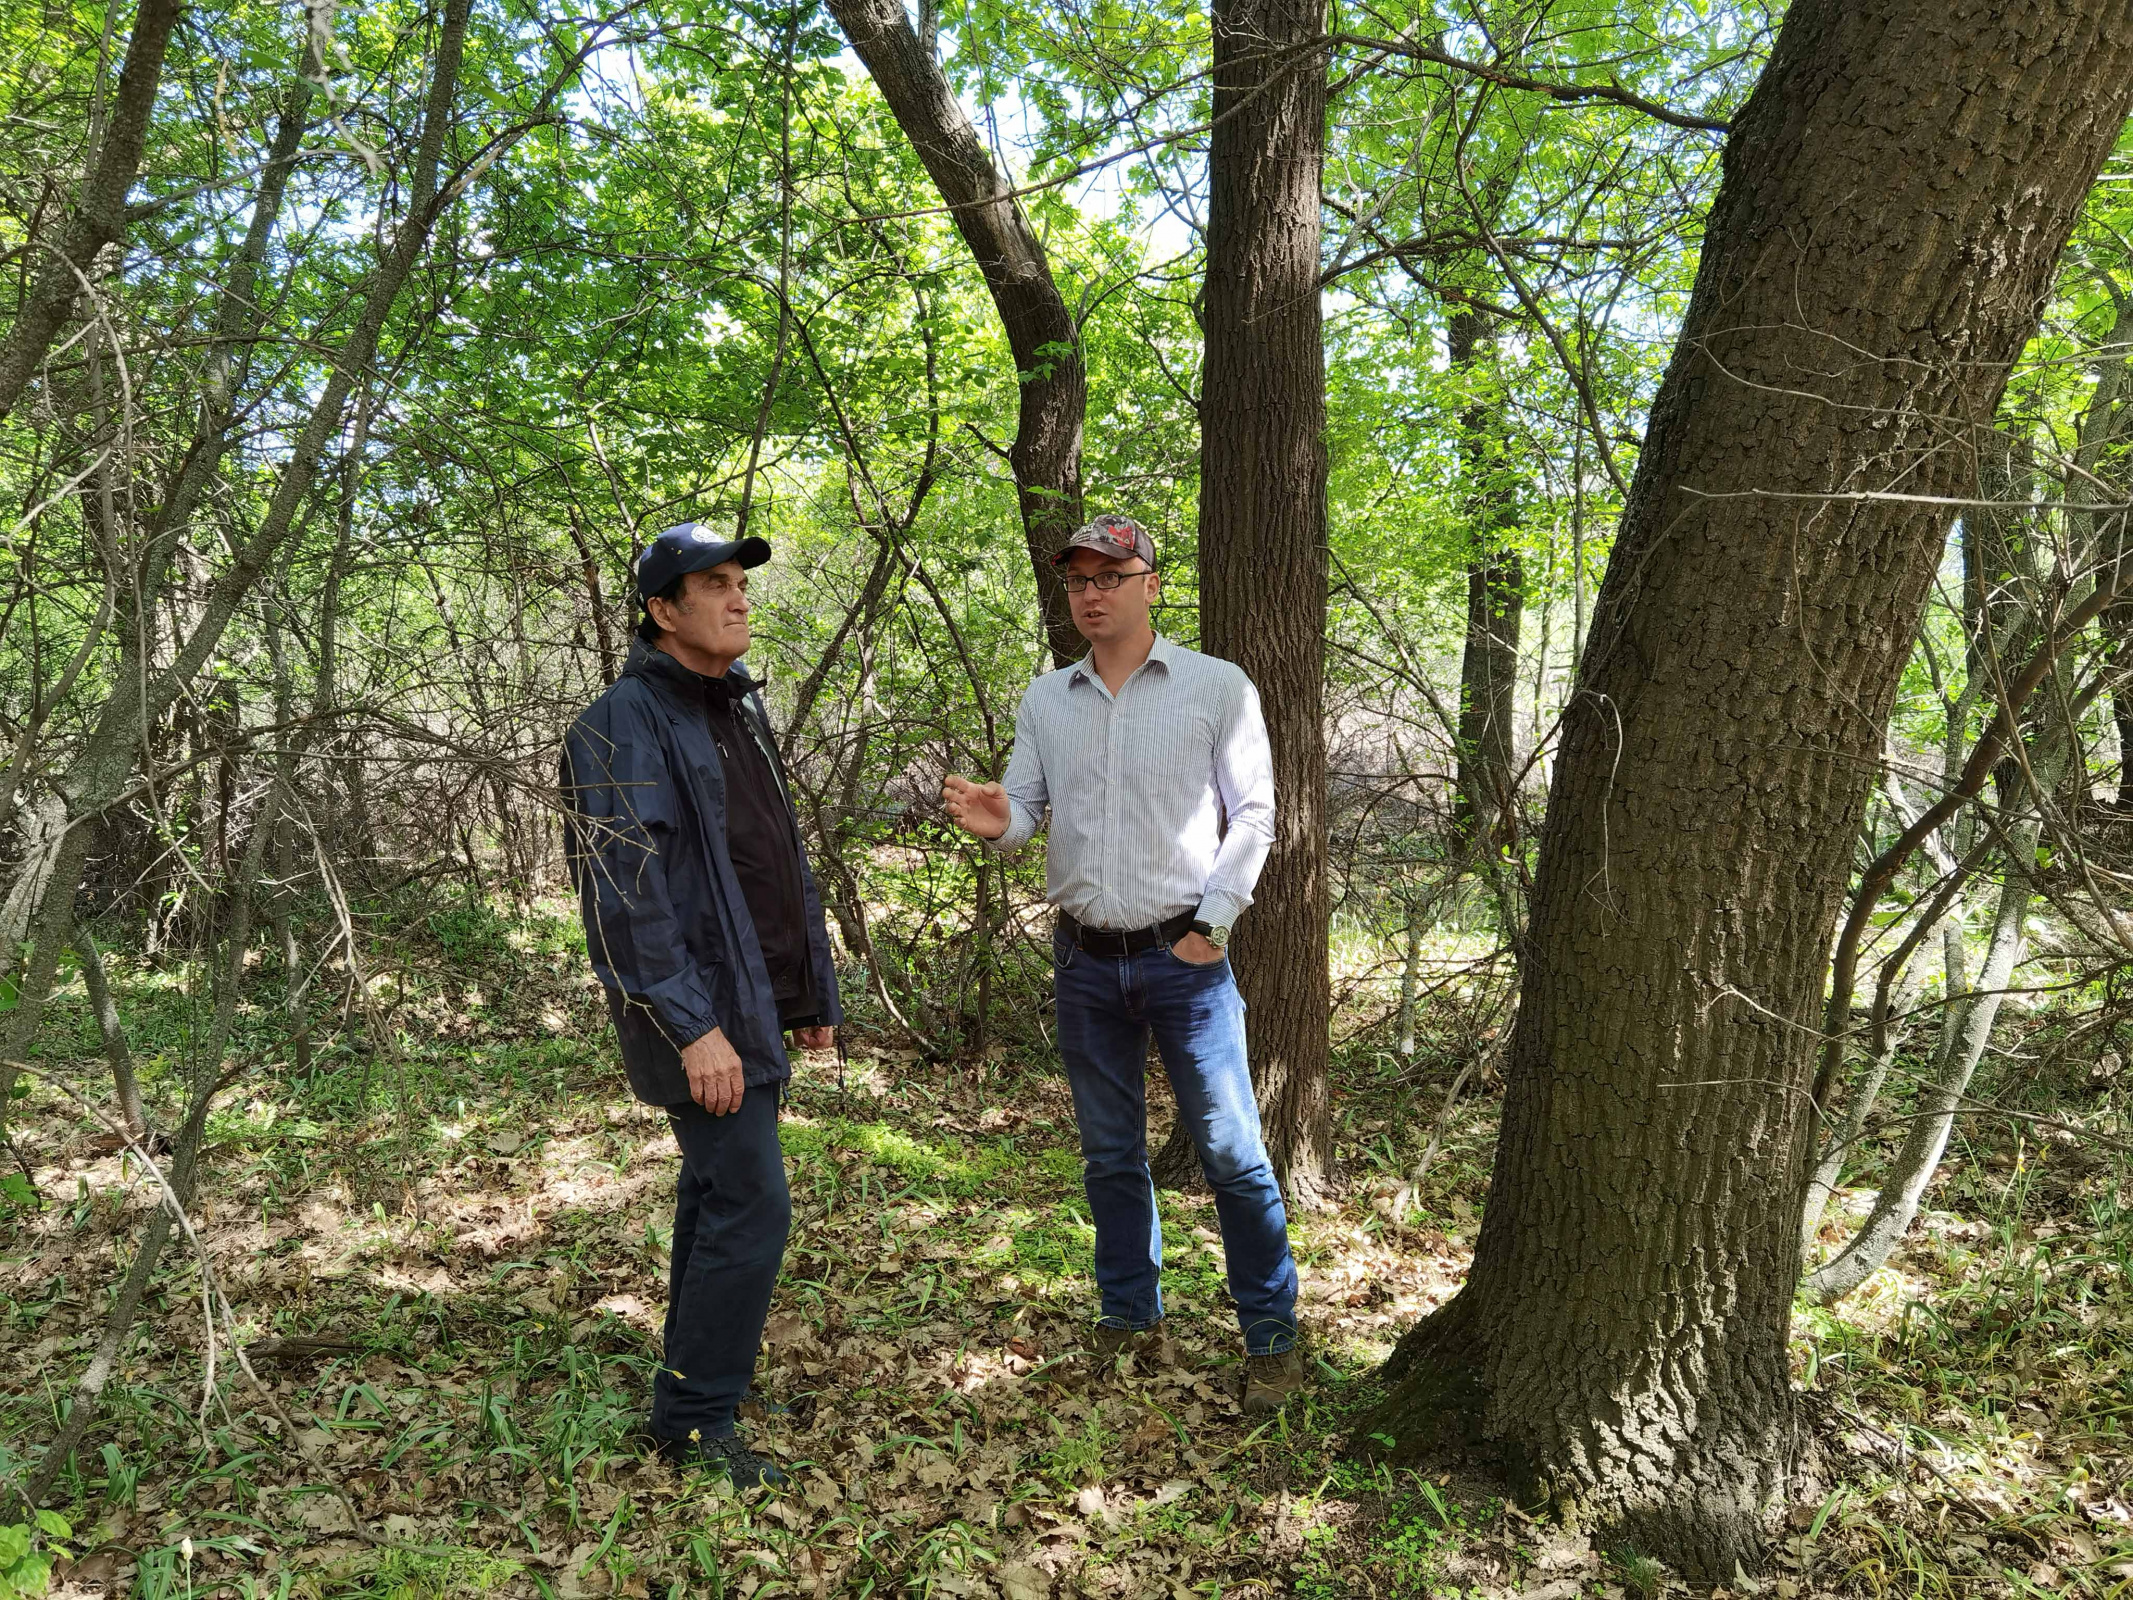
x: 656, y: 666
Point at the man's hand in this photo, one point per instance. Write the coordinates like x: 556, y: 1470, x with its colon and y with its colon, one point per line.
x: 1195, y: 951
x: 979, y: 808
x: 815, y: 1038
x: 714, y: 1074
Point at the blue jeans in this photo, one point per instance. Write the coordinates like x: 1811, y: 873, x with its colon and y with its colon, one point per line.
x: 1108, y: 1007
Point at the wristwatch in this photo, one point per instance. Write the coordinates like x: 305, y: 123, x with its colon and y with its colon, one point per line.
x: 1218, y: 937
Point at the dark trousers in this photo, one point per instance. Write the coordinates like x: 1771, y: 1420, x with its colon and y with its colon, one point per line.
x: 731, y: 1215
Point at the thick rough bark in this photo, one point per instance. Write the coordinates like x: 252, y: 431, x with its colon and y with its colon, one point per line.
x: 1263, y: 526
x: 1896, y: 193
x: 1046, y: 454
x: 99, y: 217
x: 1485, y: 813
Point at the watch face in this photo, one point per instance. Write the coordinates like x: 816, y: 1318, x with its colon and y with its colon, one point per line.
x: 1218, y: 937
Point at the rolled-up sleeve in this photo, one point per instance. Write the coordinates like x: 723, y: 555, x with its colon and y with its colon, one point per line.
x: 1244, y: 779
x: 1027, y: 795
x: 619, y: 823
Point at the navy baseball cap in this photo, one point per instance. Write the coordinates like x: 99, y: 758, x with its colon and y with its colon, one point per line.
x: 692, y: 547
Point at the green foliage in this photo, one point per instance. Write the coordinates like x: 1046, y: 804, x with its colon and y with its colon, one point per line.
x: 26, y: 1555
x: 441, y: 1574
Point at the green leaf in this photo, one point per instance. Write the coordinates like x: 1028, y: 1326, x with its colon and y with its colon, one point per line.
x: 16, y: 1190
x: 55, y: 1524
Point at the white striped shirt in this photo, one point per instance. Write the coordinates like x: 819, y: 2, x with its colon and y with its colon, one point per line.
x: 1162, y: 796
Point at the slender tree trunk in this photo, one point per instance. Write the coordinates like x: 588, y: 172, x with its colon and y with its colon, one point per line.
x: 1263, y: 528
x: 1041, y: 331
x: 1485, y: 808
x: 1966, y: 1029
x: 123, y: 1078
x: 99, y: 217
x: 1844, y: 1147
x: 2117, y: 626
x: 183, y: 1170
x: 1896, y: 193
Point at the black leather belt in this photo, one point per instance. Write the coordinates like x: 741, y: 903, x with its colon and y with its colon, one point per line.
x: 1131, y: 942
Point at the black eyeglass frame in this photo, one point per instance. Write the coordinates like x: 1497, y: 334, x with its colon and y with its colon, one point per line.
x: 1075, y: 582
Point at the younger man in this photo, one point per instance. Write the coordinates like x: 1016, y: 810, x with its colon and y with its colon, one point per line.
x: 1154, y: 762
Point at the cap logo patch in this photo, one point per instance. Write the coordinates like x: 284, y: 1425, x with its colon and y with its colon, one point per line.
x: 701, y: 534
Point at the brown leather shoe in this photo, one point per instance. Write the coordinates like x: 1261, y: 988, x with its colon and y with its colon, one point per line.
x: 1271, y: 1382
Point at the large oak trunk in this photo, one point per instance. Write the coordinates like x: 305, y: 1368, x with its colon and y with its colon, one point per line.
x: 1263, y: 525
x: 1896, y: 193
x: 1041, y: 332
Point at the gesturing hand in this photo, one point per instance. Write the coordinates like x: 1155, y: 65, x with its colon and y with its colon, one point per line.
x: 815, y: 1038
x: 979, y: 808
x: 714, y: 1074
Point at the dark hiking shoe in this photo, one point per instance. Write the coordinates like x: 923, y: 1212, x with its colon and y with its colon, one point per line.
x: 729, y: 1456
x: 1111, y: 1341
x: 1271, y: 1382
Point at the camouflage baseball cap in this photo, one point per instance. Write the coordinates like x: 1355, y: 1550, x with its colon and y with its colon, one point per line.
x: 1121, y: 538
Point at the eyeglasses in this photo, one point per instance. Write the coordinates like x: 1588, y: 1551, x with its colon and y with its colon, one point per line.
x: 1105, y: 581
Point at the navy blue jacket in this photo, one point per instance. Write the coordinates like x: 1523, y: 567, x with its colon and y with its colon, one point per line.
x: 665, y: 922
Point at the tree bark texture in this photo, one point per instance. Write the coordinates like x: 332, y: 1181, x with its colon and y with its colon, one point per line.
x: 1263, y: 527
x: 99, y: 217
x: 1896, y: 193
x: 1485, y: 812
x: 1041, y: 332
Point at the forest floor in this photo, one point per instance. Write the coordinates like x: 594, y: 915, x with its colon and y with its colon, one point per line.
x: 473, y: 1236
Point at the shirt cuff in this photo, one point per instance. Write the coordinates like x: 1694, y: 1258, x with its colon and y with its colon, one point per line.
x: 1021, y: 828
x: 1220, y: 909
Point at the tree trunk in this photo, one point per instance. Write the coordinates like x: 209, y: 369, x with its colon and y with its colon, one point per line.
x: 1484, y: 813
x: 1263, y: 527
x: 183, y: 1170
x: 2117, y: 627
x: 1966, y: 1027
x: 1041, y: 332
x: 1896, y: 193
x: 100, y: 215
x: 124, y: 1080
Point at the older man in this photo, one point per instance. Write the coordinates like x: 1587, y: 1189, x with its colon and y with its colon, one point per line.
x: 704, y: 926
x: 1153, y: 760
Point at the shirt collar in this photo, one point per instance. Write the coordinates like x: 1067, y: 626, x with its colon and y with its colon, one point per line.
x: 1162, y: 653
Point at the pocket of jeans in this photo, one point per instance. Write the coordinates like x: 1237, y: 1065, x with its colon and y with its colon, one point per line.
x: 1063, y: 950
x: 1195, y: 966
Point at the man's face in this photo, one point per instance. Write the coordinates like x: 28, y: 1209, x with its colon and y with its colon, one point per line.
x: 710, y: 617
x: 1121, y: 613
